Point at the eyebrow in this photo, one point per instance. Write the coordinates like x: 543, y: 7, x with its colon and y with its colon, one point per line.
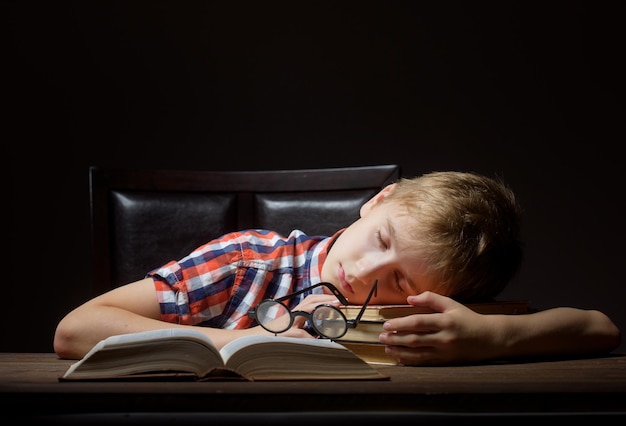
x: 392, y: 236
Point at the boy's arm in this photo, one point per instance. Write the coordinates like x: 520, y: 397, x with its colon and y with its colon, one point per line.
x: 456, y: 334
x: 553, y: 332
x: 128, y: 309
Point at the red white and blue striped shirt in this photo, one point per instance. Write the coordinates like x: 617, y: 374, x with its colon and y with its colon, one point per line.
x: 216, y: 284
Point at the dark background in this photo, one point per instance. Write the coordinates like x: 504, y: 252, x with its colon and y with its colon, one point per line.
x: 523, y: 90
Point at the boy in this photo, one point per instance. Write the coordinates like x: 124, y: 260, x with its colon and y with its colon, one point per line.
x: 436, y: 240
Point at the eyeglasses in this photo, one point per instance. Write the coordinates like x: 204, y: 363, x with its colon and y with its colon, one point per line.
x: 326, y: 320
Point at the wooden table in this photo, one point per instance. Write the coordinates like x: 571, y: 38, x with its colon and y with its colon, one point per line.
x: 492, y: 393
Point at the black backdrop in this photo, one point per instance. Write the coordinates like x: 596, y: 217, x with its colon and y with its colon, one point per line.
x: 524, y: 90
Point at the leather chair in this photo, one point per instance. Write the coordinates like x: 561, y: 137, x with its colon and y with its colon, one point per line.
x: 141, y: 219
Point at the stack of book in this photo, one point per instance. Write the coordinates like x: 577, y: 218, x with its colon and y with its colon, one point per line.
x: 363, y: 340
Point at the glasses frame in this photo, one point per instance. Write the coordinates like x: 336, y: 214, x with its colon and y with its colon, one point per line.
x: 349, y: 323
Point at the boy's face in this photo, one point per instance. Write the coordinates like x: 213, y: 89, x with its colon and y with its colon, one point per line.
x: 373, y: 248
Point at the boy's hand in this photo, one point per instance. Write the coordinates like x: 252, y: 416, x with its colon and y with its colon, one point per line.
x: 452, y: 334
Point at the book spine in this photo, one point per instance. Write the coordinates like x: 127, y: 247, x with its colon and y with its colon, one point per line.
x: 365, y: 331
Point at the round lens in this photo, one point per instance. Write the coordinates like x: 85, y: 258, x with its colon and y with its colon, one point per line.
x: 273, y: 316
x: 329, y: 322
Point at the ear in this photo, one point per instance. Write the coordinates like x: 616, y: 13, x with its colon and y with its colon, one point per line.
x: 382, y: 194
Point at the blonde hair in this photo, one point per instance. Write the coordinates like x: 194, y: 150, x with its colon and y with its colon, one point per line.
x: 467, y: 229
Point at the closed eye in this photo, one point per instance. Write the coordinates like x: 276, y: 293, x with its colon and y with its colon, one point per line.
x: 381, y: 242
x: 396, y: 278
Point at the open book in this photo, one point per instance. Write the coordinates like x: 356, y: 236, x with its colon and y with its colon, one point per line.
x: 183, y: 354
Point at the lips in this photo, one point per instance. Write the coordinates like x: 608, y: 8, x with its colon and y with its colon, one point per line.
x: 345, y: 286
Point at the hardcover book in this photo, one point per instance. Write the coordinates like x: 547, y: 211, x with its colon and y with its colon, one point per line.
x: 385, y: 312
x: 183, y: 354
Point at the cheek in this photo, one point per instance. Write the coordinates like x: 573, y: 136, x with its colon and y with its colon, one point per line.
x: 349, y: 245
x: 355, y: 234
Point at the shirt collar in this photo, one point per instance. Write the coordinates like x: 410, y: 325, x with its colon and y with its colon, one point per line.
x: 320, y: 252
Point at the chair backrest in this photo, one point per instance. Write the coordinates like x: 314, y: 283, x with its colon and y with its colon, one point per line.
x: 141, y: 219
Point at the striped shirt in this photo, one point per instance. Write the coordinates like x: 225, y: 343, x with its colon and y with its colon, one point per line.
x: 216, y: 284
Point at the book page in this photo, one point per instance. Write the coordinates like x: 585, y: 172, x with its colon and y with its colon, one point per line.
x: 148, y: 352
x: 168, y: 333
x: 290, y: 358
x: 233, y: 346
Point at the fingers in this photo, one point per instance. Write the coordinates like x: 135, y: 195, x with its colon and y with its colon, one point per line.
x: 409, y: 339
x: 414, y: 339
x: 291, y: 332
x: 310, y: 302
x: 443, y: 307
x: 434, y: 301
x: 307, y: 305
x: 417, y: 323
x: 417, y: 349
x: 298, y: 332
x: 425, y: 355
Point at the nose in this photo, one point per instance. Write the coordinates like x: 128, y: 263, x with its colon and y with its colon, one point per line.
x: 369, y: 267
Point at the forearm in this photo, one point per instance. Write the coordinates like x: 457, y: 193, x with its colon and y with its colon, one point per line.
x: 80, y: 330
x: 558, y: 331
